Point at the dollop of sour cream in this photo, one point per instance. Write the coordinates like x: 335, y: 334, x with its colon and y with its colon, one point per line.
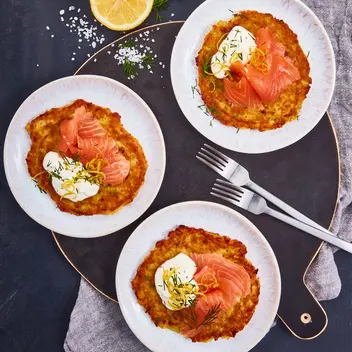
x: 69, y: 178
x: 237, y: 46
x: 176, y: 272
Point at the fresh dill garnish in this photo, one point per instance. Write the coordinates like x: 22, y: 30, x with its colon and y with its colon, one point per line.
x: 148, y: 60
x: 241, y: 15
x: 238, y: 129
x: 160, y: 5
x: 213, y: 110
x: 206, y: 66
x: 233, y: 12
x: 129, y: 68
x: 250, y: 34
x: 211, y: 123
x: 195, y: 88
x: 127, y: 44
x: 211, y: 315
x: 191, y: 318
x: 55, y: 174
x: 240, y: 56
x: 237, y: 31
x: 75, y: 159
x: 41, y: 190
x: 308, y: 54
x: 48, y: 164
x: 207, y: 111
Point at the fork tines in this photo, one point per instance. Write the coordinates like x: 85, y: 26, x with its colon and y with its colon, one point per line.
x: 213, y: 158
x: 226, y: 191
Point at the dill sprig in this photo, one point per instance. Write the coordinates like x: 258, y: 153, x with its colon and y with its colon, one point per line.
x: 129, y: 68
x: 191, y: 319
x: 127, y: 44
x: 195, y: 88
x: 206, y: 66
x: 40, y: 189
x: 148, y: 60
x: 211, y: 315
x: 160, y: 5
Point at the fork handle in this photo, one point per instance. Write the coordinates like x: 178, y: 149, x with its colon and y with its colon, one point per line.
x: 284, y: 206
x: 327, y: 237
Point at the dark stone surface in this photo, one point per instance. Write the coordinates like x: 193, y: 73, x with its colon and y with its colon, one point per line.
x: 37, y: 285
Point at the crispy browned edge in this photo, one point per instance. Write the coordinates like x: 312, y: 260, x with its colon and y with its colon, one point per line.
x: 44, y: 133
x: 286, y: 108
x: 191, y: 240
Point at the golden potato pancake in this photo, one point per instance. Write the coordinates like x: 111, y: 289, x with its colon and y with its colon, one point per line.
x: 288, y: 105
x: 190, y: 240
x: 45, y: 135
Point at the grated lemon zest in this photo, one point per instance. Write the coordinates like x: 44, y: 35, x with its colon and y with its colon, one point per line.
x: 180, y: 293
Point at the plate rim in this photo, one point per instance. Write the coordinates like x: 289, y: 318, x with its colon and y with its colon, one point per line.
x: 178, y: 95
x: 206, y: 204
x: 157, y: 128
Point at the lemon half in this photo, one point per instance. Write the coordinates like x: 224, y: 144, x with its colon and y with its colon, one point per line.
x: 121, y: 15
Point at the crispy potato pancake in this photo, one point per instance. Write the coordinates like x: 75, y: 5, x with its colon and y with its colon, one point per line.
x: 286, y: 108
x: 190, y: 240
x: 45, y: 135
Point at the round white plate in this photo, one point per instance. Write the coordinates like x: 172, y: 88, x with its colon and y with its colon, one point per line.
x: 215, y: 218
x: 313, y: 40
x: 136, y: 117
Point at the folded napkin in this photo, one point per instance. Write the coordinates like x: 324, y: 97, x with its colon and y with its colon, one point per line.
x: 97, y: 324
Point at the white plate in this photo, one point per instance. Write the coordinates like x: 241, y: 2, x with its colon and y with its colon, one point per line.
x: 136, y: 117
x: 312, y: 37
x: 215, y: 218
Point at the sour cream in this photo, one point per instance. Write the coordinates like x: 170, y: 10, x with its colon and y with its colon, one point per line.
x: 183, y: 268
x: 64, y: 177
x: 237, y: 46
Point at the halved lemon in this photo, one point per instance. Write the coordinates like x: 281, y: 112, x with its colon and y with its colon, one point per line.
x: 121, y: 15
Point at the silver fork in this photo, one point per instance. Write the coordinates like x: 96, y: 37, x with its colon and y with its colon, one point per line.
x: 239, y: 176
x: 256, y: 204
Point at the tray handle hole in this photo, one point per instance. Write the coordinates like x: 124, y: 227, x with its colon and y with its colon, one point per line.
x: 306, y: 318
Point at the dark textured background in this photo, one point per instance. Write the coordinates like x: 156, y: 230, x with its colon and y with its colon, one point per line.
x: 37, y: 285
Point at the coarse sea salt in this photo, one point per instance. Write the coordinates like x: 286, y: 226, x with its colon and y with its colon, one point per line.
x: 80, y: 25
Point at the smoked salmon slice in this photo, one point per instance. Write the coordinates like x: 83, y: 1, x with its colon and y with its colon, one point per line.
x: 83, y: 135
x: 241, y: 93
x: 89, y: 128
x: 69, y: 131
x: 226, y: 284
x: 117, y: 171
x: 280, y: 70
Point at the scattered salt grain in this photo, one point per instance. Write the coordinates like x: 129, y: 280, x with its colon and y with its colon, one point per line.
x: 71, y: 8
x: 94, y: 45
x: 47, y: 28
x: 172, y: 15
x: 157, y: 28
x: 73, y: 59
x: 37, y: 65
x: 95, y: 60
x: 52, y: 36
x: 62, y: 12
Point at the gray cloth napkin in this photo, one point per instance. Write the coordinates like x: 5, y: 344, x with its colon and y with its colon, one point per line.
x: 97, y: 324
